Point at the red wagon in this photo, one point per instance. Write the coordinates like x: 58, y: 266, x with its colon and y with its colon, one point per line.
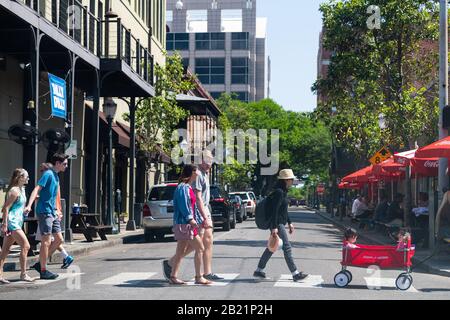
x: 385, y: 257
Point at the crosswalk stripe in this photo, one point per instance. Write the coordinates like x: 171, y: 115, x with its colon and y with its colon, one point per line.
x: 228, y: 278
x: 39, y: 282
x: 126, y: 278
x: 312, y: 281
x: 377, y: 283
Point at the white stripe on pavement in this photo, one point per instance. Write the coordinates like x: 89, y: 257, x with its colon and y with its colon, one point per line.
x: 312, y: 281
x: 227, y: 279
x: 126, y: 277
x: 39, y: 282
x: 376, y: 283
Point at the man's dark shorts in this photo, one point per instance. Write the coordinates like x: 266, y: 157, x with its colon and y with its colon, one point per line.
x: 49, y: 224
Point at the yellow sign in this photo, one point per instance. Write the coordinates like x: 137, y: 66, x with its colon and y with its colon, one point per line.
x: 380, y: 156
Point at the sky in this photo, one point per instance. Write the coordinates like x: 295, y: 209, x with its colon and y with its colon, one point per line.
x: 293, y: 28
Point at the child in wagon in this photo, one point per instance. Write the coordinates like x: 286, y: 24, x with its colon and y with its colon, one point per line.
x: 350, y: 237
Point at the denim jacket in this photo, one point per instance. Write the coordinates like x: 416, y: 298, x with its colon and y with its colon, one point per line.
x: 182, y: 206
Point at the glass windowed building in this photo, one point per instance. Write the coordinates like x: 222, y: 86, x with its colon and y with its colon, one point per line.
x: 223, y: 42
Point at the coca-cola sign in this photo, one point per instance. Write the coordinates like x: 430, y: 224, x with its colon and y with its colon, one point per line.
x: 431, y: 164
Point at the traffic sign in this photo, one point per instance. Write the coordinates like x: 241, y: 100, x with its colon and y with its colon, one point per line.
x: 380, y: 156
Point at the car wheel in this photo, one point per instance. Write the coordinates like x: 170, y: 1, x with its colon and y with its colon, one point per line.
x: 227, y: 224
x: 149, y: 236
x: 245, y: 216
x: 160, y: 236
x: 233, y: 224
x: 240, y: 218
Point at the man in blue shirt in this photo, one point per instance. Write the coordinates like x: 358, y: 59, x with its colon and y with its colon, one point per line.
x: 46, y: 211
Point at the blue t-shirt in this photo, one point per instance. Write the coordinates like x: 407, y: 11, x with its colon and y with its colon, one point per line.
x: 47, y: 197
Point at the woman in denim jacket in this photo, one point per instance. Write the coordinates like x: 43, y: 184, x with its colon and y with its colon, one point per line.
x: 186, y: 223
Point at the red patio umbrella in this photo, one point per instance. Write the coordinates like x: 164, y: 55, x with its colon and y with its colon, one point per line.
x: 438, y: 149
x: 427, y: 167
x: 361, y: 175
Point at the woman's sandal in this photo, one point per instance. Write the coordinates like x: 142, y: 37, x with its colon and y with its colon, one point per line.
x: 25, y: 277
x: 4, y: 281
x: 204, y: 282
x: 175, y: 280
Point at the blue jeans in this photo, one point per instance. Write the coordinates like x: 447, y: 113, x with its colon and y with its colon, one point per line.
x: 287, y: 249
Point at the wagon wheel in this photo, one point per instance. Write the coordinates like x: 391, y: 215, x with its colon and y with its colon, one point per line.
x: 341, y: 279
x: 349, y: 275
x: 403, y: 281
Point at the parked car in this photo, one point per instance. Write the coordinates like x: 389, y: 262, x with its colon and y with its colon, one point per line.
x: 223, y: 212
x: 250, y: 200
x: 293, y: 202
x: 239, y: 204
x: 302, y: 202
x: 158, y: 211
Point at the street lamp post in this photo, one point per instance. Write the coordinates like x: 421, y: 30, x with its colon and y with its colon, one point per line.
x: 110, y: 107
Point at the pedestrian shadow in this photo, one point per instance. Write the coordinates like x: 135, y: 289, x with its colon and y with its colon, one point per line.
x: 360, y: 287
x: 133, y: 259
x: 263, y: 243
x: 150, y: 283
x: 428, y: 290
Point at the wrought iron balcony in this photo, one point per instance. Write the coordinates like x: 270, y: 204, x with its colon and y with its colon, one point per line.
x: 119, y: 43
x: 106, y: 39
x: 73, y: 18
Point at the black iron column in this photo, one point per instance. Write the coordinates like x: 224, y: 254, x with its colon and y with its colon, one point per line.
x: 131, y: 225
x: 94, y: 145
x: 68, y: 173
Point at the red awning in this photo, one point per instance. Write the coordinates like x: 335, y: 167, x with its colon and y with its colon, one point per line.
x: 427, y: 167
x: 350, y: 185
x: 438, y: 149
x: 361, y: 175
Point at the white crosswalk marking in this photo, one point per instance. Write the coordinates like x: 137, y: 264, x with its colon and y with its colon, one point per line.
x: 39, y: 282
x: 126, y: 278
x: 312, y: 281
x: 227, y: 278
x: 376, y: 283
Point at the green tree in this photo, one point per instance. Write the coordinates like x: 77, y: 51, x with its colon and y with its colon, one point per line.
x: 390, y: 71
x: 157, y: 117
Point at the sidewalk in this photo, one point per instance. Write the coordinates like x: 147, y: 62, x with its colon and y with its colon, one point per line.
x: 439, y: 265
x: 79, y: 247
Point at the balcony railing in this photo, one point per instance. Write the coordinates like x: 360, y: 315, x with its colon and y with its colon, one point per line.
x: 72, y: 18
x: 119, y: 43
x: 107, y: 39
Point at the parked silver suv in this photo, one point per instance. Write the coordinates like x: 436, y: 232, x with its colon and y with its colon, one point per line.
x: 158, y: 212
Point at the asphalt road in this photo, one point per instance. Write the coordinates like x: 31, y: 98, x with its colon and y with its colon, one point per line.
x: 133, y: 271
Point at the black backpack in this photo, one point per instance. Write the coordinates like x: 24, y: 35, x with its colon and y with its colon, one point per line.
x: 264, y: 213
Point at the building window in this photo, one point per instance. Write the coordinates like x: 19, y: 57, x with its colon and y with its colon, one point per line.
x: 177, y: 41
x: 196, y: 21
x: 210, y: 41
x: 239, y: 40
x: 231, y: 21
x: 210, y: 70
x: 216, y: 95
x: 185, y: 62
x: 239, y: 70
x: 243, y: 95
x: 169, y: 19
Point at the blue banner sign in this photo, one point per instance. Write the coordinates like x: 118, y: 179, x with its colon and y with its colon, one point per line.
x: 58, y: 96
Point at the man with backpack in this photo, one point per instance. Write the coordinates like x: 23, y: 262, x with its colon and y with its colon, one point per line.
x: 272, y: 213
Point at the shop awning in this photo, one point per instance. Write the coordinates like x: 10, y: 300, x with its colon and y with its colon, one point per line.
x: 350, y: 185
x: 438, y: 149
x: 361, y: 175
x: 422, y: 166
x: 120, y: 136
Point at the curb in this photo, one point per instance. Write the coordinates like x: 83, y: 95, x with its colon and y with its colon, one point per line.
x: 425, y: 266
x: 76, y: 252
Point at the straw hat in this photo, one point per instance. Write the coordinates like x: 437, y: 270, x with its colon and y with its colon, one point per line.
x: 286, y: 174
